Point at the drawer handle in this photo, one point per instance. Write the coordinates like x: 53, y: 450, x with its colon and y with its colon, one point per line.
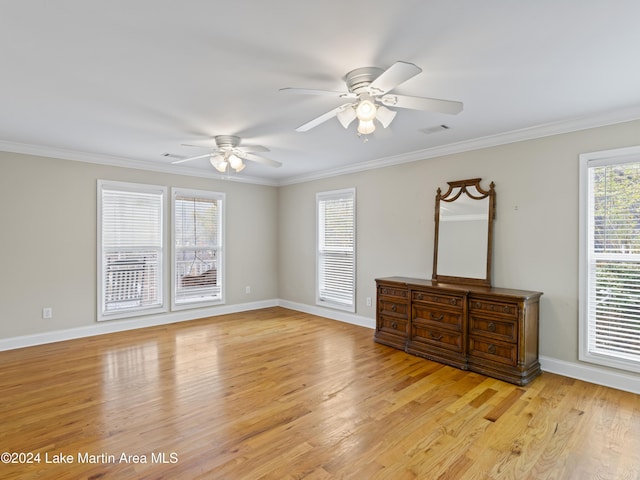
x: 436, y: 336
x: 394, y: 325
x: 453, y: 301
x: 436, y: 299
x: 492, y: 349
x: 491, y: 327
x: 384, y: 291
x: 436, y: 317
x: 420, y: 297
x: 478, y: 305
x: 505, y: 309
x: 393, y: 307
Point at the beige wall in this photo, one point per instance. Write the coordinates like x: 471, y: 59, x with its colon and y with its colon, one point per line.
x: 48, y: 232
x: 536, y: 227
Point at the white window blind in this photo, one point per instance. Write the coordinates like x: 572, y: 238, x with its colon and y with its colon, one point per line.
x: 612, y: 313
x: 336, y: 249
x: 130, y: 249
x: 197, y: 233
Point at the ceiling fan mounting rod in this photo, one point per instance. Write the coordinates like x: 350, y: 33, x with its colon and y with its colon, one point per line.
x: 227, y: 141
x: 358, y: 80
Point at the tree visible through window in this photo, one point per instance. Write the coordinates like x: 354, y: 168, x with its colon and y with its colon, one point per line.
x: 611, y: 319
x: 198, y: 251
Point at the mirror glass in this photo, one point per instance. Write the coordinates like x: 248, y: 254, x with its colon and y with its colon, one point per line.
x: 464, y: 217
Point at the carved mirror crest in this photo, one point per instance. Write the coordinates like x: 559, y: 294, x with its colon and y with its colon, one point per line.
x: 464, y: 233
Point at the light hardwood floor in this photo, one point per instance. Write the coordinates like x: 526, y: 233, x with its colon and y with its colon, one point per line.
x: 278, y: 394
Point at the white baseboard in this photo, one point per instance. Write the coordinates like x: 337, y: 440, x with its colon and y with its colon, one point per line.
x: 329, y: 313
x: 101, y: 328
x: 629, y: 382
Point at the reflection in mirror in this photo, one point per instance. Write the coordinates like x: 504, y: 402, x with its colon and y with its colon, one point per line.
x: 464, y: 229
x: 463, y: 235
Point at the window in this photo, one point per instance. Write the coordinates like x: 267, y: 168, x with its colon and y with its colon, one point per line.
x: 197, y: 248
x: 610, y: 258
x: 336, y: 249
x: 130, y: 249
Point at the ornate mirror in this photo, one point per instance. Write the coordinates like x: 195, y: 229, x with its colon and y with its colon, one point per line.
x: 464, y: 233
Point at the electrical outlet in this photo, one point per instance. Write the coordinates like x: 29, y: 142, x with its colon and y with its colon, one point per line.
x: 368, y: 301
x: 247, y: 289
x: 47, y: 312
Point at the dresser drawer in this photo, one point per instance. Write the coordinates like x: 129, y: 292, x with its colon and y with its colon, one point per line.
x: 393, y: 291
x: 497, y: 328
x: 481, y: 305
x: 495, y: 351
x: 436, y: 298
x: 434, y: 316
x: 446, y: 339
x: 393, y: 307
x: 395, y: 326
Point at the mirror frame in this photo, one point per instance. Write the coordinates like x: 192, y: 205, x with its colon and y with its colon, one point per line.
x: 451, y: 196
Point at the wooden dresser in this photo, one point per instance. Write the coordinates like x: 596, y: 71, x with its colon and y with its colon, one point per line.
x: 493, y: 331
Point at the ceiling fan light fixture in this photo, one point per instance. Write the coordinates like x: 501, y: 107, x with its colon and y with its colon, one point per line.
x: 385, y: 116
x: 369, y: 89
x: 227, y: 153
x: 221, y: 166
x: 235, y: 162
x: 347, y: 116
x: 366, y: 109
x: 365, y: 127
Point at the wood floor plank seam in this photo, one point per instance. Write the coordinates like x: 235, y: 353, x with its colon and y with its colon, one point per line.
x: 279, y: 394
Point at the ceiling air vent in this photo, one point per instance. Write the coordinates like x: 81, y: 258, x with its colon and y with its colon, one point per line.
x: 436, y: 129
x: 173, y: 156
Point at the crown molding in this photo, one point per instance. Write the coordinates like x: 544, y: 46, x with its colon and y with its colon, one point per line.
x: 87, y: 157
x: 539, y: 131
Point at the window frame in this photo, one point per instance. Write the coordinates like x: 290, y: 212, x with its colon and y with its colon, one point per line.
x: 587, y: 161
x: 220, y: 272
x: 320, y: 298
x: 109, y: 185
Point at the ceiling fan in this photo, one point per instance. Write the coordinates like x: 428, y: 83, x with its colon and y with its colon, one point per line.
x: 229, y: 154
x: 369, y: 88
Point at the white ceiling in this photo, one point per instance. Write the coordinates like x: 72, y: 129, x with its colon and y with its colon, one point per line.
x: 129, y: 80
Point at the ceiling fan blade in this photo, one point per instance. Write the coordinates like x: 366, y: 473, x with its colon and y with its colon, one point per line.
x: 260, y: 159
x: 422, y: 103
x: 190, y: 158
x: 326, y: 93
x: 210, y: 147
x: 322, y: 118
x: 254, y: 148
x: 393, y: 76
x: 346, y: 116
